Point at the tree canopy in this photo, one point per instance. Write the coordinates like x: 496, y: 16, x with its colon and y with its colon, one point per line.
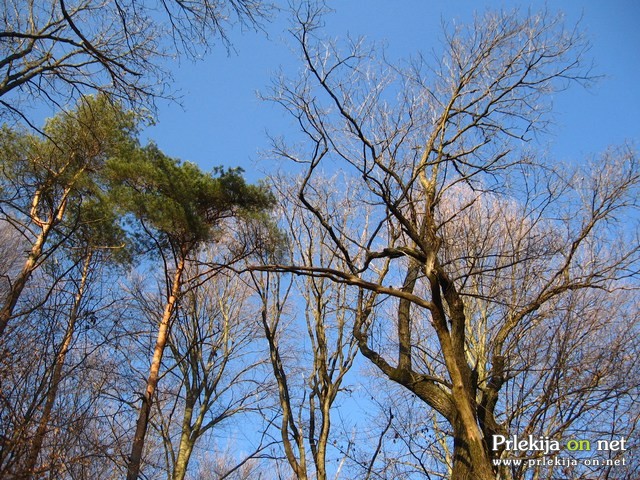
x: 177, y: 199
x: 418, y: 291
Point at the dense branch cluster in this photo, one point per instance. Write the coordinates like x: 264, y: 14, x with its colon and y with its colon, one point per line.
x: 423, y: 282
x: 56, y: 51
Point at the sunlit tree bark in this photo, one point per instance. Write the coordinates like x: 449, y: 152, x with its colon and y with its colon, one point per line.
x: 416, y: 139
x: 44, y: 179
x: 177, y: 206
x: 213, y: 364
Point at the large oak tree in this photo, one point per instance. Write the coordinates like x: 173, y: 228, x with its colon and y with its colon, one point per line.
x: 473, y: 239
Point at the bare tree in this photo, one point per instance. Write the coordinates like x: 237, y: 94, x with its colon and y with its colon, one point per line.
x: 428, y: 145
x: 93, y: 252
x: 215, y: 364
x: 564, y: 377
x: 57, y: 370
x: 309, y: 368
x: 225, y: 466
x: 56, y: 51
x: 52, y: 409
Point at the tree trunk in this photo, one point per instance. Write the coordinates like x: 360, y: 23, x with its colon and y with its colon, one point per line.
x: 321, y: 452
x: 187, y: 441
x: 471, y: 460
x: 20, y: 282
x: 184, y: 455
x: 34, y: 255
x: 56, y: 376
x: 135, y: 459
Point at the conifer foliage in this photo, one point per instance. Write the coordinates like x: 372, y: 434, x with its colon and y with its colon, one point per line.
x: 87, y: 186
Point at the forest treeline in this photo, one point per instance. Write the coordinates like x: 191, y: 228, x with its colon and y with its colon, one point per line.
x: 421, y: 281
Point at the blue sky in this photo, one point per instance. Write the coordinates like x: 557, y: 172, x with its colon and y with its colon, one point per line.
x: 222, y: 121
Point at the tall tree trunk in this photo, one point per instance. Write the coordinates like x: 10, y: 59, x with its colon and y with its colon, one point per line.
x: 56, y: 376
x: 471, y: 459
x: 21, y: 280
x: 135, y: 459
x: 55, y: 217
x: 184, y: 455
x: 187, y: 441
x: 321, y: 449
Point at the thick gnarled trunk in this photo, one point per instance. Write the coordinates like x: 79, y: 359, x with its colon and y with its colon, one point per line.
x: 470, y: 457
